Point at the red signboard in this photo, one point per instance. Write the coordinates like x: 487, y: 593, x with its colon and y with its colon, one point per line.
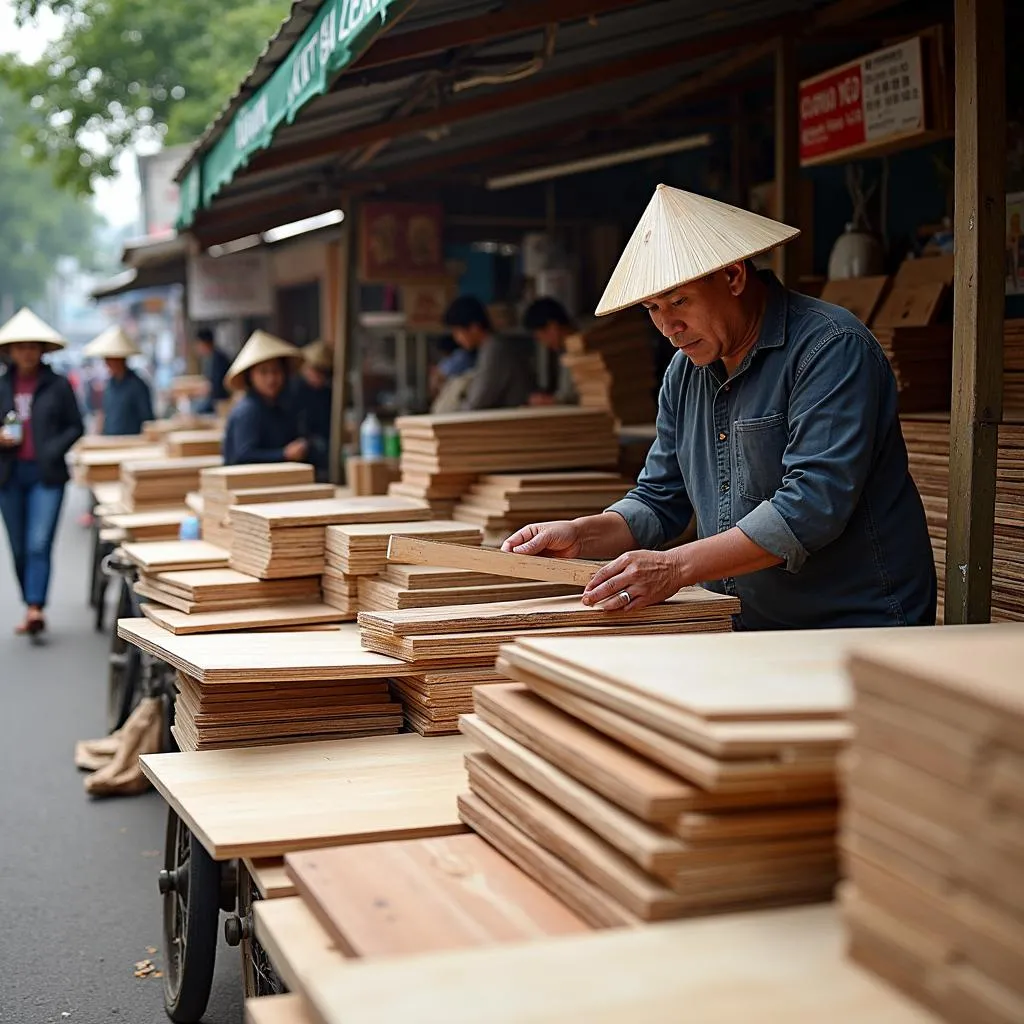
x: 398, y: 241
x: 865, y: 102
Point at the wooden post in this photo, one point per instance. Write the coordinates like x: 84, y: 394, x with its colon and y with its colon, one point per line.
x: 979, y: 233
x: 344, y: 316
x: 787, y: 153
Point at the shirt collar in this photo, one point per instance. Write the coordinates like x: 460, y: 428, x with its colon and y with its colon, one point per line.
x: 773, y: 325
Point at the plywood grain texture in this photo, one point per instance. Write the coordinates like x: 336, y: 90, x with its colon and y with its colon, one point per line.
x: 267, y: 801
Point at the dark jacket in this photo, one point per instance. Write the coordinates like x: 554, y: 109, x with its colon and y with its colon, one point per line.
x: 504, y: 374
x: 257, y: 431
x: 215, y: 368
x: 312, y: 408
x: 56, y: 424
x: 126, y: 405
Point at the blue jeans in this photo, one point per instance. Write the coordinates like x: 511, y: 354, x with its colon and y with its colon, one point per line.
x: 31, y: 510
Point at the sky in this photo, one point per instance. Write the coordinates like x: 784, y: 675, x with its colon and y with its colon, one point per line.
x: 116, y: 199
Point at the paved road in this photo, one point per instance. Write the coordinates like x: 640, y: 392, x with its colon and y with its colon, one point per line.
x: 78, y: 899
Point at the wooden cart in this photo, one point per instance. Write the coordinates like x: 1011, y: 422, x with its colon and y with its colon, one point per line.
x: 231, y: 812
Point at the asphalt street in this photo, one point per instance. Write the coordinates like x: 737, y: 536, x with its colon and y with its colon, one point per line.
x: 78, y: 898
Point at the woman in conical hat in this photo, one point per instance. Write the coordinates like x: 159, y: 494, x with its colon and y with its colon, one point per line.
x: 127, y: 403
x: 263, y: 426
x: 39, y: 422
x: 777, y: 428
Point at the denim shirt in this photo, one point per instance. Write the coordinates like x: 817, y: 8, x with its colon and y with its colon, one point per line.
x: 802, y: 450
x: 257, y: 431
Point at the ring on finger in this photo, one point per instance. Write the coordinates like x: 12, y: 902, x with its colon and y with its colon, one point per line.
x: 624, y: 597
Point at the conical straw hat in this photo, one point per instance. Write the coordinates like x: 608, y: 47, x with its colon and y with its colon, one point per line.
x: 113, y: 343
x: 319, y: 355
x: 260, y: 348
x: 682, y: 237
x: 26, y: 326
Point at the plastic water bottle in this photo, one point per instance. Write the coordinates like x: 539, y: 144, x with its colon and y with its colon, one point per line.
x: 189, y: 529
x: 371, y: 438
x: 13, y: 429
x: 392, y: 443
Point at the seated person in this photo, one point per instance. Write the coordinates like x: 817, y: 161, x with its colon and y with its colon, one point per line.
x: 550, y: 324
x: 310, y: 394
x: 503, y: 377
x: 263, y: 427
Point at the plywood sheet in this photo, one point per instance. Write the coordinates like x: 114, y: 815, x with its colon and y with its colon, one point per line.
x: 376, y: 594
x: 294, y: 940
x: 280, y: 616
x: 270, y: 878
x: 425, y: 895
x: 161, y: 556
x: 292, y: 514
x: 262, y: 657
x: 774, y: 967
x: 282, y: 1009
x: 267, y: 801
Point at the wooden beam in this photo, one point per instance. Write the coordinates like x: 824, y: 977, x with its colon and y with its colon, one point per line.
x: 845, y: 11
x: 533, y: 91
x: 515, y: 18
x: 787, y: 152
x: 979, y: 229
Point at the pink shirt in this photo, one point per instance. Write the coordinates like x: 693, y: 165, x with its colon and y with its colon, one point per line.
x: 24, y: 391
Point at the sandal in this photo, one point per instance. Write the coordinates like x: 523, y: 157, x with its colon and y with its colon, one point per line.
x: 33, y: 625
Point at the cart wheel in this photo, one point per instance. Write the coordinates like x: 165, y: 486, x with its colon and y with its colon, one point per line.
x: 189, y: 885
x: 258, y: 975
x: 125, y: 667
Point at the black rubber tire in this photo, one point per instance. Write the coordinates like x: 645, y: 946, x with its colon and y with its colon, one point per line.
x: 125, y: 666
x: 190, y: 917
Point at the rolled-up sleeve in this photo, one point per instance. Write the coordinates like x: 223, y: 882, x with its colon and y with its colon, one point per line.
x: 833, y: 412
x: 658, y: 508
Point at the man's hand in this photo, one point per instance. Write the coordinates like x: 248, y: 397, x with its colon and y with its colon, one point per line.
x: 648, y: 577
x: 296, y: 450
x: 552, y: 540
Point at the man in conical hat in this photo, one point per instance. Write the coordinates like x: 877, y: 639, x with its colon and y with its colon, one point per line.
x: 777, y: 427
x: 127, y: 403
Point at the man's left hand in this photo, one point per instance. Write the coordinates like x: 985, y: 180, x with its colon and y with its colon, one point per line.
x: 648, y: 577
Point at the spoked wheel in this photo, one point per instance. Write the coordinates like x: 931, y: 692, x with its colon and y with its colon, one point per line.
x: 258, y: 975
x: 189, y: 884
x: 125, y: 666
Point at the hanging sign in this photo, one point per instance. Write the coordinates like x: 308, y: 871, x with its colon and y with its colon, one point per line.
x: 400, y: 241
x: 868, y: 102
x: 226, y: 287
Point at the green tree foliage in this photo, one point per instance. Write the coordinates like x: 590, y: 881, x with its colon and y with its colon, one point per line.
x: 128, y: 70
x: 39, y: 221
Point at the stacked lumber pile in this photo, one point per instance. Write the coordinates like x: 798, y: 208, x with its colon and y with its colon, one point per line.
x: 612, y: 366
x: 927, y: 440
x: 933, y: 829
x: 641, y: 779
x: 433, y: 701
x: 502, y: 503
x: 156, y: 525
x: 236, y: 690
x: 162, y: 483
x: 156, y: 431
x: 280, y: 539
x: 171, y: 556
x: 427, y: 586
x: 443, y: 455
x: 99, y: 465
x: 1013, y: 371
x: 224, y: 486
x: 186, y: 443
x: 360, y: 550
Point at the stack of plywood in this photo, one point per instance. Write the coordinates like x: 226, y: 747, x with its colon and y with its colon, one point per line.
x: 426, y: 586
x: 275, y: 540
x: 157, y: 430
x: 262, y: 688
x: 185, y: 443
x: 442, y: 455
x: 160, y: 483
x: 649, y: 778
x: 933, y: 829
x: 1013, y: 371
x: 612, y: 366
x: 225, y: 486
x: 434, y: 701
x: 359, y: 550
x: 927, y: 440
x: 170, y: 556
x: 99, y: 465
x: 502, y: 503
x: 155, y: 525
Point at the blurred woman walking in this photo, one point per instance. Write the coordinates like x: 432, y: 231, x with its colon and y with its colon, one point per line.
x: 39, y: 421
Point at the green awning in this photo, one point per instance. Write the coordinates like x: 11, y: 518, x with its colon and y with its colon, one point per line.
x: 339, y: 32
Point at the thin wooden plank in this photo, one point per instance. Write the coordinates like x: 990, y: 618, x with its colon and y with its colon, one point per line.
x: 281, y: 1009
x: 294, y: 940
x: 425, y: 895
x: 270, y: 878
x: 267, y: 801
x: 161, y: 556
x: 279, y: 616
x: 775, y: 967
x: 498, y: 563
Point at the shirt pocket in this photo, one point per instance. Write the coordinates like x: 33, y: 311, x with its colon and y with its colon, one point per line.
x: 760, y: 445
